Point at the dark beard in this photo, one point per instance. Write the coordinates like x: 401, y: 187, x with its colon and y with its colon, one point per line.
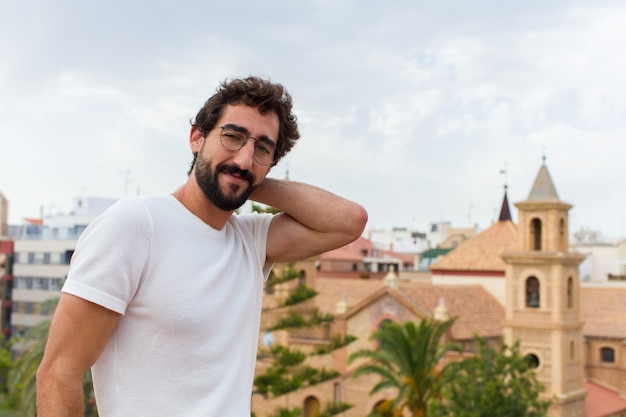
x: 208, y: 182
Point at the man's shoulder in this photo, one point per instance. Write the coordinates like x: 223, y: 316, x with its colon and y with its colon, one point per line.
x: 251, y: 222
x: 145, y: 201
x: 133, y: 208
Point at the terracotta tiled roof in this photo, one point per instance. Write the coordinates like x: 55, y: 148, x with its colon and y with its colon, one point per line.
x: 341, y: 254
x: 330, y: 291
x: 404, y: 257
x: 481, y: 252
x: 477, y: 311
x: 352, y: 251
x: 601, y: 401
x: 604, y: 311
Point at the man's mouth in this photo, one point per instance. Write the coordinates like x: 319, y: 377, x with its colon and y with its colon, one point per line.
x: 241, y: 174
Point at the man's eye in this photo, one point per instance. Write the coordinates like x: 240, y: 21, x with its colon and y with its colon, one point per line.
x: 263, y: 149
x: 233, y: 137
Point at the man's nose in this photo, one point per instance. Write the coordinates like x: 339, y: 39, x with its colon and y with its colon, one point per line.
x: 244, y: 157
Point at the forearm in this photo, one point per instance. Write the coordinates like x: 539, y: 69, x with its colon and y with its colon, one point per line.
x: 313, y: 221
x: 58, y: 395
x: 314, y: 207
x: 78, y: 333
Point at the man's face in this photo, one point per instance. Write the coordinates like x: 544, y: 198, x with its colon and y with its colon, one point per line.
x: 227, y: 178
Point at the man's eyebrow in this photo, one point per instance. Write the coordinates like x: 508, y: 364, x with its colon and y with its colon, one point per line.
x: 242, y: 129
x: 236, y: 128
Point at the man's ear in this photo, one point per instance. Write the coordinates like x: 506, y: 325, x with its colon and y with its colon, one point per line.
x: 195, y: 139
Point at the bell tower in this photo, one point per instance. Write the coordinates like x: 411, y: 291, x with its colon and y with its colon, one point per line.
x: 542, y: 308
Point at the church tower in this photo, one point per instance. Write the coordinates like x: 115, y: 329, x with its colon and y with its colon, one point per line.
x: 542, y: 308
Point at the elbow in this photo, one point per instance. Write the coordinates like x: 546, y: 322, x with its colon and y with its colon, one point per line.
x: 359, y: 220
x: 43, y: 385
x: 45, y: 379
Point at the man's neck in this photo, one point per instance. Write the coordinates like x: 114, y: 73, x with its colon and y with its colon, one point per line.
x: 197, y: 203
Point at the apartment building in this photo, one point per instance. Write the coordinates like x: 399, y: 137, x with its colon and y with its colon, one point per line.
x: 43, y: 249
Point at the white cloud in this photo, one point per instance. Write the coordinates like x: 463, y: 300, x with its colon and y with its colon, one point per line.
x: 411, y: 109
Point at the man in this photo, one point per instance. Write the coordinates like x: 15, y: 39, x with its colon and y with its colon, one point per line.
x: 163, y: 297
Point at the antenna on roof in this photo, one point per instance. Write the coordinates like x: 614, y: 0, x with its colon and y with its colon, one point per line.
x: 503, y: 171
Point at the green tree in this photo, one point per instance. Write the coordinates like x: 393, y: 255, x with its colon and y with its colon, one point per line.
x: 407, y: 359
x: 492, y: 383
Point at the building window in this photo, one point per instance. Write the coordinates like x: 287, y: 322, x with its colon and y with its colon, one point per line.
x: 38, y: 284
x: 21, y: 283
x: 570, y: 293
x: 532, y: 292
x: 535, y: 234
x: 57, y: 258
x: 532, y: 361
x: 572, y: 351
x: 562, y: 236
x: 607, y: 355
x: 29, y: 308
x: 56, y: 284
x: 39, y: 258
x: 337, y: 393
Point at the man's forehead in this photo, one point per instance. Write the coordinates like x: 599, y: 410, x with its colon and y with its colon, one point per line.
x: 251, y: 119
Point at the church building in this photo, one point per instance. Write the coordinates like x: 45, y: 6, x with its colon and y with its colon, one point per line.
x: 510, y: 282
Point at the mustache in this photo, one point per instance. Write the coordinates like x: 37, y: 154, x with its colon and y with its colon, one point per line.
x: 234, y: 170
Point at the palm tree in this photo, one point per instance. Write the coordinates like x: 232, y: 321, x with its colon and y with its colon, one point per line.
x: 408, y: 360
x: 21, y: 376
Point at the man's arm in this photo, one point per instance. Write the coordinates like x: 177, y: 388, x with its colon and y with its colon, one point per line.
x: 312, y: 221
x: 78, y: 333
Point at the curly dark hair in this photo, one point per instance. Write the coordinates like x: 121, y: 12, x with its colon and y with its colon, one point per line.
x: 256, y: 92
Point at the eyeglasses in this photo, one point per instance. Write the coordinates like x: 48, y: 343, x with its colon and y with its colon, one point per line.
x: 233, y: 140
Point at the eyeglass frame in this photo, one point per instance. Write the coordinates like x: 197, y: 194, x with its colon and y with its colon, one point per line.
x: 263, y: 140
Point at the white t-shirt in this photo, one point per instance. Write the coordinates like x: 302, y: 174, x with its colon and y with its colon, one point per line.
x: 190, y: 299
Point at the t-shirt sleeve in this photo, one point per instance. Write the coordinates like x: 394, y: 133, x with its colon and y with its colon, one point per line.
x: 111, y: 255
x: 258, y: 224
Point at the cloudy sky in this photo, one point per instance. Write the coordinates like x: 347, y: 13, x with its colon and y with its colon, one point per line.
x: 419, y: 110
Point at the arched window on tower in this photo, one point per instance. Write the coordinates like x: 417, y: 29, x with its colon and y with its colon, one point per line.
x: 570, y: 292
x: 532, y: 361
x: 535, y: 234
x: 562, y: 235
x: 532, y: 292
